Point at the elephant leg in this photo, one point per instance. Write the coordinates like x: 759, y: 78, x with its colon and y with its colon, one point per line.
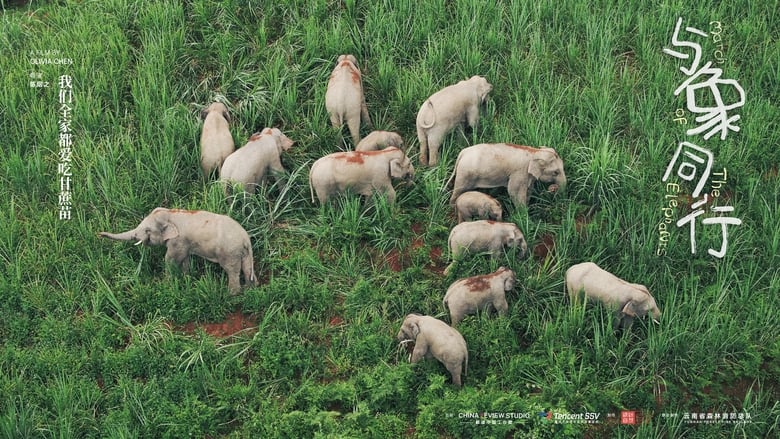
x: 472, y: 116
x: 456, y: 192
x: 233, y: 268
x: 518, y: 191
x: 501, y: 306
x: 353, y: 122
x: 335, y: 120
x: 390, y: 194
x: 420, y: 349
x: 178, y: 255
x: 454, y: 370
x: 422, y: 136
x: 434, y: 142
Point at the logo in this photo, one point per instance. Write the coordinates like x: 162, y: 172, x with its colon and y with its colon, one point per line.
x: 546, y: 415
x: 628, y: 417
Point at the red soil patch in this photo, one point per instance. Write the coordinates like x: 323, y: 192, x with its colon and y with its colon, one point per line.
x: 418, y: 228
x: 393, y: 260
x: 234, y: 323
x: 336, y: 321
x: 543, y: 249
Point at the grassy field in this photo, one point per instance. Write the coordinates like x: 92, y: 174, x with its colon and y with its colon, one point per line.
x: 100, y: 339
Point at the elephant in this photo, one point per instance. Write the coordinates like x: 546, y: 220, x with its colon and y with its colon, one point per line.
x: 434, y: 338
x: 484, y: 236
x: 252, y: 163
x: 473, y: 203
x: 363, y: 172
x: 628, y: 299
x: 216, y: 142
x: 515, y: 167
x: 447, y: 109
x: 467, y: 296
x: 380, y: 140
x: 217, y: 238
x: 344, y: 98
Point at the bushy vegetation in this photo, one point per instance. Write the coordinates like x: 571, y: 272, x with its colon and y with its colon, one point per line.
x: 101, y: 339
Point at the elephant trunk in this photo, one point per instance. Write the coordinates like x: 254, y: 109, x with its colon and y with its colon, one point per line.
x: 559, y: 185
x: 130, y: 235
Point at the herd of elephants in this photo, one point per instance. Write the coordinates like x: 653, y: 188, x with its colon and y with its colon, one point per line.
x: 377, y: 160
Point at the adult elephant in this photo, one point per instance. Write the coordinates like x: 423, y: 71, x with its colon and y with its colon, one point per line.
x: 515, y: 167
x: 217, y: 238
x: 362, y: 172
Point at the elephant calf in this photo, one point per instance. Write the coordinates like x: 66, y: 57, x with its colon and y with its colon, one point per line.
x: 447, y: 109
x: 216, y: 142
x: 252, y: 163
x: 363, y: 172
x: 217, y: 238
x: 379, y: 140
x: 485, y: 236
x: 467, y: 296
x: 434, y: 338
x: 629, y: 300
x: 344, y: 98
x: 514, y: 167
x: 476, y: 204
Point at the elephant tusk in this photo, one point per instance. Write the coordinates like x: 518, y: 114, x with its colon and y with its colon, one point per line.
x: 656, y: 322
x: 139, y: 242
x: 404, y: 342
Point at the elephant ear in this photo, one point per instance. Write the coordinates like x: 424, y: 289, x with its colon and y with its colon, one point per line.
x: 540, y: 161
x: 509, y: 283
x: 629, y: 309
x: 285, y: 142
x: 169, y: 231
x: 396, y: 170
x: 415, y: 329
x: 226, y: 115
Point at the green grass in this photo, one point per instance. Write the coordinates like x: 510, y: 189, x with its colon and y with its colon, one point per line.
x: 93, y: 335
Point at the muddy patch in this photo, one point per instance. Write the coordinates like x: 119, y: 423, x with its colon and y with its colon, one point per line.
x: 233, y: 323
x: 545, y: 248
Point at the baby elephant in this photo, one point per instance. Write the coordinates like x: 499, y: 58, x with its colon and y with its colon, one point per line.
x: 467, y: 296
x: 216, y: 142
x: 217, y: 238
x: 447, y: 109
x: 252, y: 163
x: 380, y: 140
x: 476, y: 204
x: 362, y: 172
x: 629, y: 300
x: 484, y: 236
x: 344, y: 98
x: 434, y: 338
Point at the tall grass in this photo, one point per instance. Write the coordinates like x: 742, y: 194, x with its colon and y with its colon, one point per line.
x: 102, y: 339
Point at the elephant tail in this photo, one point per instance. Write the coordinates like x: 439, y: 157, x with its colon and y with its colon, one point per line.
x: 425, y: 113
x: 247, y: 266
x: 451, y: 180
x: 311, y: 188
